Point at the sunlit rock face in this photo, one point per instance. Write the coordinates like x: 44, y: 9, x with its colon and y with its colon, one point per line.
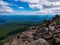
x: 41, y: 41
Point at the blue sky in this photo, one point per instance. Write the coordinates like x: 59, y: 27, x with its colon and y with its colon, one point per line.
x: 29, y: 7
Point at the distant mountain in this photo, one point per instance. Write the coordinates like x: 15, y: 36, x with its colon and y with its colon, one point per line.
x: 24, y: 18
x: 2, y: 20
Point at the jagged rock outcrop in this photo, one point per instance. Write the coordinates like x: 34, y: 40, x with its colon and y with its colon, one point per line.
x: 39, y: 36
x: 41, y: 41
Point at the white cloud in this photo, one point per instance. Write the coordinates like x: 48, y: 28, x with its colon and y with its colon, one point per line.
x: 4, y: 7
x: 3, y: 3
x: 38, y: 6
x: 54, y: 0
x: 44, y: 6
x: 30, y: 1
x: 56, y: 3
x: 48, y: 11
x: 21, y: 7
x: 54, y: 10
x: 51, y: 6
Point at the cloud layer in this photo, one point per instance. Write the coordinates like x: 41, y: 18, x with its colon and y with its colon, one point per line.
x: 4, y: 7
x: 43, y: 6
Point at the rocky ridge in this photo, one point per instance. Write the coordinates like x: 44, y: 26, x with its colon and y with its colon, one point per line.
x: 46, y: 33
